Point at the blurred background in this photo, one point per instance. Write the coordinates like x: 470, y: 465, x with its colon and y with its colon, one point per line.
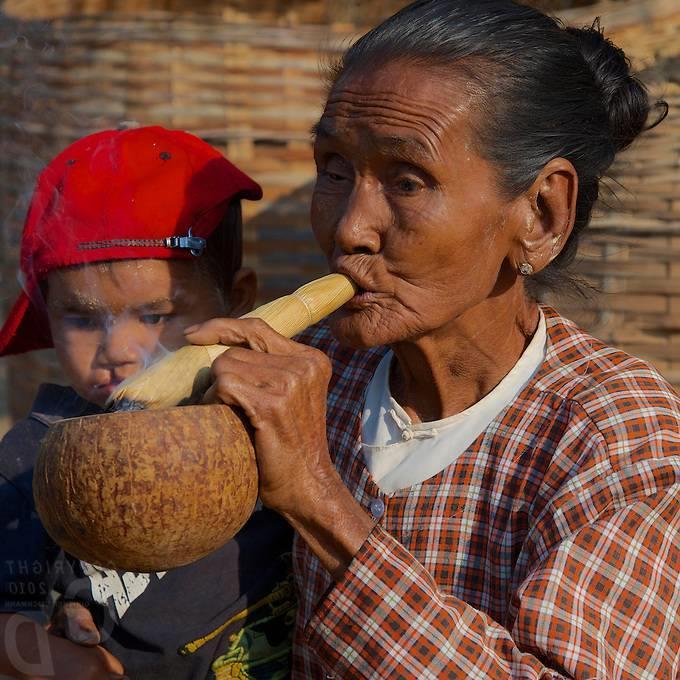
x: 245, y: 76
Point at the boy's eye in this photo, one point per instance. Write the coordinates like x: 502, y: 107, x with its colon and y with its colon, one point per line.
x: 83, y: 322
x: 153, y: 319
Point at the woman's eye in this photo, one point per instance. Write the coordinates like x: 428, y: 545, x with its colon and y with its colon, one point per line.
x: 336, y: 169
x: 334, y: 176
x: 408, y: 185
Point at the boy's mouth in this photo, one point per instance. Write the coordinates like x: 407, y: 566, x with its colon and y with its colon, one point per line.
x: 107, y: 388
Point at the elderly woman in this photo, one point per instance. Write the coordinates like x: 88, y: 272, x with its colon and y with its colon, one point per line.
x: 480, y: 489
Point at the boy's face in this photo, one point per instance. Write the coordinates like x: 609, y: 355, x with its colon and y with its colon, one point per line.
x: 112, y: 319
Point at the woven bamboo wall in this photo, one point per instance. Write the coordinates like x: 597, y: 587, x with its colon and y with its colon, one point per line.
x: 632, y: 254
x: 253, y: 91
x: 277, y: 12
x: 249, y: 83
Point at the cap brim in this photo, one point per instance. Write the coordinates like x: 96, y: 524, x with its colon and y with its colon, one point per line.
x: 25, y: 329
x: 246, y: 187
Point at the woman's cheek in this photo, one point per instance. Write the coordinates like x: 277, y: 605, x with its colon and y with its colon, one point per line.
x: 323, y: 215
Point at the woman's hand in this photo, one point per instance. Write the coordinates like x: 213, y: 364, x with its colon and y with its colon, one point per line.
x: 282, y: 386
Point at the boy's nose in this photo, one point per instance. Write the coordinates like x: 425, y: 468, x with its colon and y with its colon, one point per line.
x: 124, y: 344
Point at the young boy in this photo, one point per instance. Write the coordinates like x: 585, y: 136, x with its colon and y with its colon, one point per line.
x: 131, y: 237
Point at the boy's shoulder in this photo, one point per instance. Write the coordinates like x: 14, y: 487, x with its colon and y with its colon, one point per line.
x: 27, y: 551
x: 55, y: 402
x: 19, y: 447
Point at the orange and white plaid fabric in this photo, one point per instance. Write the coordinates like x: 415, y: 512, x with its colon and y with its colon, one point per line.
x: 549, y: 549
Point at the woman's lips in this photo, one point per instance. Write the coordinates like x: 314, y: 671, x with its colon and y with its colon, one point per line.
x: 362, y: 299
x: 364, y: 296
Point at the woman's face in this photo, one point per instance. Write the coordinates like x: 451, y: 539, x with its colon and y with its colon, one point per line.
x: 405, y: 206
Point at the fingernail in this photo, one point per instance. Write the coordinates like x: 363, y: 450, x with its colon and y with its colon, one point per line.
x: 191, y: 329
x: 84, y: 636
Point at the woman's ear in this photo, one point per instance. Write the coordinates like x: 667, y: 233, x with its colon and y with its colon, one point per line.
x: 241, y: 297
x: 549, y: 209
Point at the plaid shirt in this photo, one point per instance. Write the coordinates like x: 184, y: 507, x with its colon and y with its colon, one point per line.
x: 550, y: 548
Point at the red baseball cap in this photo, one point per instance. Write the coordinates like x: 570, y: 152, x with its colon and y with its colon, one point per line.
x: 139, y: 193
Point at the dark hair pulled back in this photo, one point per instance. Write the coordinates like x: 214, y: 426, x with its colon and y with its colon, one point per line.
x: 546, y: 91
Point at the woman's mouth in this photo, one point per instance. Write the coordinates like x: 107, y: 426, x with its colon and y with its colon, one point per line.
x: 361, y: 299
x: 364, y: 295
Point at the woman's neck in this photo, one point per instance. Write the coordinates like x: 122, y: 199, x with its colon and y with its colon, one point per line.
x: 449, y: 370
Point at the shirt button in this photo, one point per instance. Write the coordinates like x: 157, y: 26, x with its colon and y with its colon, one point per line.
x: 377, y: 508
x: 407, y: 435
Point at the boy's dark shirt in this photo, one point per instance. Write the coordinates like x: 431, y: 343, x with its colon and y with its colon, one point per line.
x: 228, y: 615
x: 26, y: 551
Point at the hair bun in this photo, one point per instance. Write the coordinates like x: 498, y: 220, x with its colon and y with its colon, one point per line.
x: 623, y: 95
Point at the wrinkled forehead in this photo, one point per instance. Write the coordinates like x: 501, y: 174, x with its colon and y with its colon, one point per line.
x: 404, y: 105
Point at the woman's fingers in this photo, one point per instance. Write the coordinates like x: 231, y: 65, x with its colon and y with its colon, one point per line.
x: 236, y: 391
x: 253, y: 333
x: 256, y: 381
x: 298, y: 358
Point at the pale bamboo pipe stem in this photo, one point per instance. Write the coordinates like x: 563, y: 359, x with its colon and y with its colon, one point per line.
x: 185, y: 372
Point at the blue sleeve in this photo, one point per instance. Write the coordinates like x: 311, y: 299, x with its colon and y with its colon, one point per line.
x: 26, y: 551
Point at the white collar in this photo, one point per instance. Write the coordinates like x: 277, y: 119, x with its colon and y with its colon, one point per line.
x: 400, y: 453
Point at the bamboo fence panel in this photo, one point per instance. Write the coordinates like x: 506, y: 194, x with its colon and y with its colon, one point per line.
x: 631, y: 254
x: 252, y: 90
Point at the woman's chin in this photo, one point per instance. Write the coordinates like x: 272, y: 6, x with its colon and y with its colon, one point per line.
x: 357, y: 330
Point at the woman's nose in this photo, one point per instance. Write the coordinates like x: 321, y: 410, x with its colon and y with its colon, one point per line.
x: 360, y: 226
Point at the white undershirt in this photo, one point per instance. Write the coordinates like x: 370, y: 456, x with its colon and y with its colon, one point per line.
x: 399, y: 453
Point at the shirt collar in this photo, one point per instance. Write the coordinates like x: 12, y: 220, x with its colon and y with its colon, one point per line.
x: 56, y: 402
